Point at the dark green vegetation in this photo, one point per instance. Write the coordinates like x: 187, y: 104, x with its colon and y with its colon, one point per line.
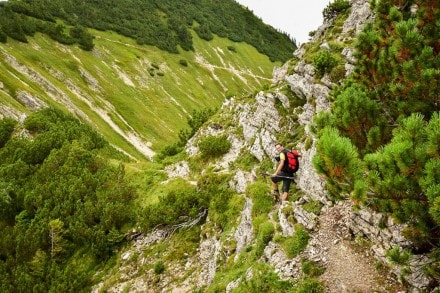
x: 335, y: 8
x: 380, y: 145
x: 18, y: 20
x: 63, y: 205
x: 165, y: 24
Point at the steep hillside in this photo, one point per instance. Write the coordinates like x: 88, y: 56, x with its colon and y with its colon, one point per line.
x: 137, y: 96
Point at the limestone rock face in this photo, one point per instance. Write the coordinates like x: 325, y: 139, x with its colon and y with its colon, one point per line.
x: 29, y: 101
x: 180, y: 169
x: 8, y: 112
x: 241, y: 180
x: 360, y: 14
x: 245, y: 232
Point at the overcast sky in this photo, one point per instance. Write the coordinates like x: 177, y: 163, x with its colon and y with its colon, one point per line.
x: 295, y: 17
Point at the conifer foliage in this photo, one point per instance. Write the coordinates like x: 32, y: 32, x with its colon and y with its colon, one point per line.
x: 59, y: 195
x: 386, y: 121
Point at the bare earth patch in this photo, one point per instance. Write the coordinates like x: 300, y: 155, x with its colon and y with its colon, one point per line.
x: 349, y: 266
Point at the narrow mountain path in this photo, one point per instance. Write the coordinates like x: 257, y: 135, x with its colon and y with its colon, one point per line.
x: 349, y: 266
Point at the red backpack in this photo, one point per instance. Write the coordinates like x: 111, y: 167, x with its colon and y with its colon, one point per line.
x: 292, y: 162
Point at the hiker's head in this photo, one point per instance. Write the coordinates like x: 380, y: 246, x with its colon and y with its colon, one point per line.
x: 279, y: 147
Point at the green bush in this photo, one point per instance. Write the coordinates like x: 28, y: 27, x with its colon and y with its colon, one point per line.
x: 169, y: 151
x: 204, y: 32
x: 262, y: 201
x: 215, y: 188
x: 297, y: 242
x: 195, y: 121
x: 159, y: 267
x: 309, y: 285
x: 337, y: 74
x: 310, y: 268
x: 232, y: 49
x: 265, y: 234
x: 3, y: 36
x: 214, y: 146
x: 7, y: 126
x: 82, y: 37
x: 174, y: 208
x: 324, y: 62
x: 334, y: 8
x: 183, y: 62
x: 398, y: 255
x: 61, y: 173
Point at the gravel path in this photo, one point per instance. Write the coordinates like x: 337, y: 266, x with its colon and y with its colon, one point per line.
x: 349, y: 266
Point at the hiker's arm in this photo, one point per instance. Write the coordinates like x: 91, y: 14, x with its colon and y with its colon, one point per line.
x: 280, y: 166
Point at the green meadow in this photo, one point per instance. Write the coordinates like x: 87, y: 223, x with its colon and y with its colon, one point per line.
x: 132, y: 94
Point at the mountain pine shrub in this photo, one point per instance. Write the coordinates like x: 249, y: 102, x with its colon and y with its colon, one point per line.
x: 296, y: 243
x: 214, y: 146
x: 60, y: 197
x: 398, y: 255
x: 265, y: 234
x: 401, y: 178
x: 324, y: 62
x: 384, y: 119
x: 3, y: 36
x: 159, y: 267
x: 338, y: 159
x: 7, y: 126
x: 334, y: 8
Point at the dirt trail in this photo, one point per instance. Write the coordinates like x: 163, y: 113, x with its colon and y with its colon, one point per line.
x: 349, y: 266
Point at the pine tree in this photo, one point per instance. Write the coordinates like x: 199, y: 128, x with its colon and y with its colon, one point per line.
x: 338, y: 159
x: 401, y: 173
x: 355, y: 114
x: 400, y: 61
x: 389, y: 110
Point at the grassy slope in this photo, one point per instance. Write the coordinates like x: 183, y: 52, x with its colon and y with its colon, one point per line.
x: 141, y: 89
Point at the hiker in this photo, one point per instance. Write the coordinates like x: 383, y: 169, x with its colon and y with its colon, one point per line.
x: 284, y: 170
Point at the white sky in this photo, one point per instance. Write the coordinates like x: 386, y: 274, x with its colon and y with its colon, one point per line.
x: 295, y: 17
